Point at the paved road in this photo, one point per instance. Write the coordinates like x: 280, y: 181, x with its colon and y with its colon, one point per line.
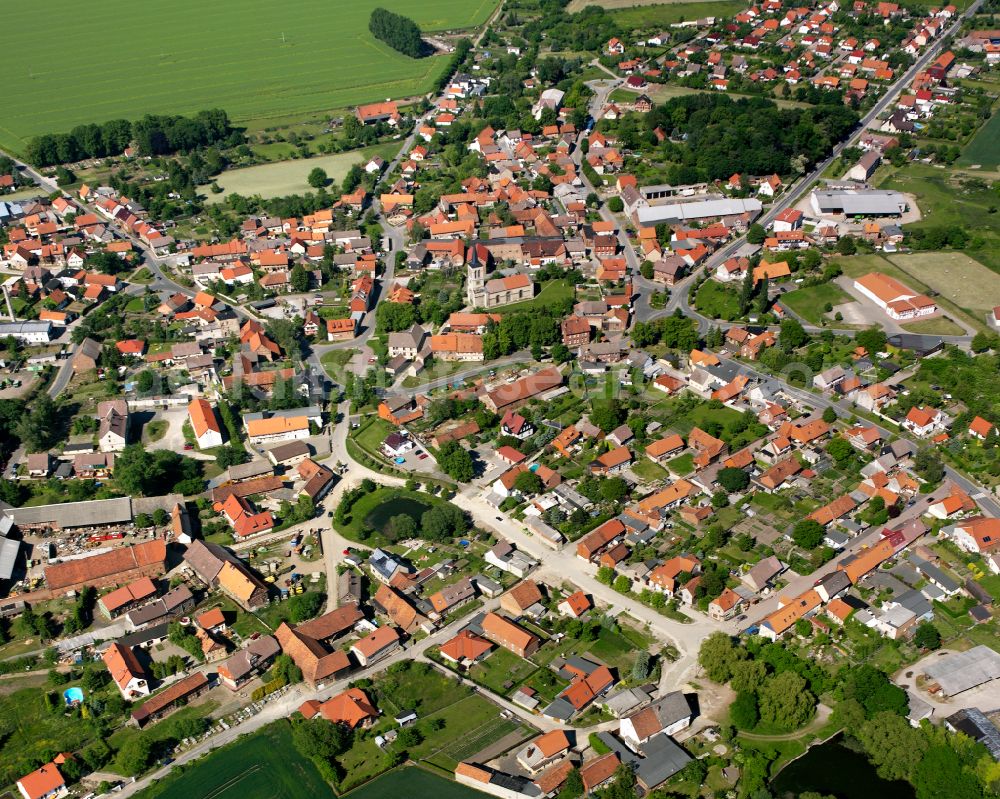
x: 517, y: 358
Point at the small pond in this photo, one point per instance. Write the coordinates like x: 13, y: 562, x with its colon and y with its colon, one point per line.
x: 398, y: 506
x: 838, y: 769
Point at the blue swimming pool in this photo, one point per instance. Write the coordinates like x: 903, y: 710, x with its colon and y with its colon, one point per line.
x: 73, y: 696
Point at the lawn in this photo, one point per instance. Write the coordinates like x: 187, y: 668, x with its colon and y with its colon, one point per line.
x: 551, y: 292
x: 253, y: 59
x: 943, y: 199
x: 810, y: 303
x: 499, y: 669
x: 941, y: 326
x: 984, y: 149
x: 334, y: 362
x: 29, y: 733
x: 706, y: 413
x: 467, y: 722
x: 289, y: 177
x: 617, y: 650
x: 647, y: 470
x: 370, y: 436
x: 263, y: 765
x: 717, y: 301
x: 682, y: 465
x: 155, y: 430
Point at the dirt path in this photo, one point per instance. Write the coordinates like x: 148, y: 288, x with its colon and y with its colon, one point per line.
x: 822, y: 717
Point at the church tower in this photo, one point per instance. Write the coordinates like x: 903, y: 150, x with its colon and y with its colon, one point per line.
x: 475, y: 277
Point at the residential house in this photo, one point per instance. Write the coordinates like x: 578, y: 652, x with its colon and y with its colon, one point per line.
x: 509, y: 635
x: 667, y: 716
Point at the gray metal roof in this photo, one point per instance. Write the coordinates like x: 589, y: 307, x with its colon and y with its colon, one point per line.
x: 699, y: 209
x: 242, y: 471
x: 960, y: 671
x: 974, y: 723
x: 9, y: 549
x: 22, y: 328
x: 76, y: 514
x: 862, y: 203
x: 663, y: 759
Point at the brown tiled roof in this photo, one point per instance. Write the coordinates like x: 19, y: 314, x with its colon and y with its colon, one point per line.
x: 554, y: 776
x: 122, y: 559
x: 505, y: 632
x: 465, y: 645
x: 597, y: 771
x: 167, y: 697
x: 332, y: 624
x: 401, y: 612
x: 525, y: 594
x: 309, y: 655
x: 122, y: 664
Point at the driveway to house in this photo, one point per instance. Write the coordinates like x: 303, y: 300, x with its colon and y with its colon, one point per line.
x: 173, y: 439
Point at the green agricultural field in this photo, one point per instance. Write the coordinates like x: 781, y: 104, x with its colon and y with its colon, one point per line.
x: 264, y: 765
x: 289, y: 177
x: 984, y: 149
x: 416, y: 783
x: 964, y: 281
x: 654, y: 13
x: 254, y: 59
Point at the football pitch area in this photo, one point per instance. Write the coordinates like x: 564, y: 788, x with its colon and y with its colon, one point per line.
x: 264, y: 765
x: 66, y: 65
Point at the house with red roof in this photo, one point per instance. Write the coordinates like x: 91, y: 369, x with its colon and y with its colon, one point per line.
x: 980, y: 428
x: 42, y: 783
x: 925, y: 422
x: 575, y: 605
x: 131, y: 348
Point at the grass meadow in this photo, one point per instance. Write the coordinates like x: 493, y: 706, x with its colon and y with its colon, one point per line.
x: 252, y: 58
x: 289, y: 177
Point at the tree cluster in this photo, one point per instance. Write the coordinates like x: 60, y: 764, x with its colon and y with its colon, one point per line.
x: 139, y: 472
x: 456, y: 462
x: 153, y: 135
x: 754, y: 136
x: 400, y: 33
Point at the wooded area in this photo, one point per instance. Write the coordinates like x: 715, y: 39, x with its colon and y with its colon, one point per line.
x: 399, y: 32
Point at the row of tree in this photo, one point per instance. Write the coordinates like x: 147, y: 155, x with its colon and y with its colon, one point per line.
x: 153, y: 135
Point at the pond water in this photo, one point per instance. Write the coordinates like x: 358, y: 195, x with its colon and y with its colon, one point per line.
x: 835, y: 768
x: 396, y: 507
